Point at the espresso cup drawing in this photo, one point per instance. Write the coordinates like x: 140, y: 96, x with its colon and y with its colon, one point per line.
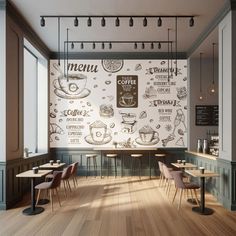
x: 51, y: 162
x: 129, y: 117
x: 147, y: 134
x: 35, y: 170
x: 202, y: 169
x: 127, y: 99
x: 73, y: 85
x: 98, y: 131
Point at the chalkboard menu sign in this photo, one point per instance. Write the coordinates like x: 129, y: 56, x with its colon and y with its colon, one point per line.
x: 207, y: 115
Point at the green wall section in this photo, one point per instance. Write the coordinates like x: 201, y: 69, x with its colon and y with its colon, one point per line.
x: 222, y: 187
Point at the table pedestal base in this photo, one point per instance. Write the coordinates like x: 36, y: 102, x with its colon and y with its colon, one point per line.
x: 207, y: 211
x: 29, y: 212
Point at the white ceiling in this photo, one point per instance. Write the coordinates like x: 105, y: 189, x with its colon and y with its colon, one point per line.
x: 205, y: 10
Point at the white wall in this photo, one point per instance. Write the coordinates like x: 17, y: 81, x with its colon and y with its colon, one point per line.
x: 196, y: 132
x: 3, y: 85
x: 226, y: 100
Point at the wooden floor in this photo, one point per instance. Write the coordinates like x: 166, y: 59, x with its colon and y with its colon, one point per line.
x: 121, y: 206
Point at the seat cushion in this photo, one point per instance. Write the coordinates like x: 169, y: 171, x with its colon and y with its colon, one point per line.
x: 111, y: 155
x: 44, y: 185
x: 136, y: 155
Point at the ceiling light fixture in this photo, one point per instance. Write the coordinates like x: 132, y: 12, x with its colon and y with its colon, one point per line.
x: 201, y: 94
x: 59, y: 38
x: 72, y: 45
x: 145, y: 21
x: 152, y: 45
x: 42, y: 22
x: 103, y: 45
x: 212, y: 88
x: 159, y: 22
x: 176, y: 46
x: 135, y: 45
x: 103, y: 22
x: 131, y: 22
x: 110, y: 45
x: 159, y: 45
x: 117, y: 22
x: 89, y: 23
x: 191, y: 22
x: 76, y: 22
x: 94, y: 45
x: 82, y: 45
x: 143, y: 45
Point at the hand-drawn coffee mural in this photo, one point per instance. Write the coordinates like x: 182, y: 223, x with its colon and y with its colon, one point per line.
x: 121, y: 103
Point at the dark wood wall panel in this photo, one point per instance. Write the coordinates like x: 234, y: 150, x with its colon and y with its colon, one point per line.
x: 14, y: 93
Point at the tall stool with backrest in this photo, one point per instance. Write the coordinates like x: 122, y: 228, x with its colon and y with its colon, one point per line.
x: 180, y: 184
x: 136, y: 158
x: 109, y: 157
x: 94, y: 157
x: 53, y: 184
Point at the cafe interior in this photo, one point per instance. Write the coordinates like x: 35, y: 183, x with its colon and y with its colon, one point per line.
x: 117, y: 117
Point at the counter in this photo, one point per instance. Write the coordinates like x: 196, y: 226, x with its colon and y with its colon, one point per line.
x: 208, y: 156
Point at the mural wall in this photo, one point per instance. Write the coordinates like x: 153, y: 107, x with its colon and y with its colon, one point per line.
x: 123, y: 103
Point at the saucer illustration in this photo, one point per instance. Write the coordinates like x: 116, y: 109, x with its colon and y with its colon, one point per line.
x: 90, y: 140
x: 62, y: 94
x: 153, y: 142
x: 127, y: 105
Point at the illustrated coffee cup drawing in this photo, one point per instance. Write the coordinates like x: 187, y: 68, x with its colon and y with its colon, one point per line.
x: 73, y: 85
x: 51, y: 162
x: 98, y: 131
x: 202, y: 169
x: 127, y: 99
x: 147, y: 134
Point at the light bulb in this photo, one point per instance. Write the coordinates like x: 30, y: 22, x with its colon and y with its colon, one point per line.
x: 212, y: 90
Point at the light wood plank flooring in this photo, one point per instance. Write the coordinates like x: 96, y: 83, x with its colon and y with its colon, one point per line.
x: 118, y: 206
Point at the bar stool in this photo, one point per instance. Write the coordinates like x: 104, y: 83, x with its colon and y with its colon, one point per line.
x: 136, y: 157
x: 161, y: 156
x: 109, y: 157
x: 94, y: 157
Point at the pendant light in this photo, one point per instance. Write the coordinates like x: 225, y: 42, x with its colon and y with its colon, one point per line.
x: 212, y: 88
x: 201, y: 95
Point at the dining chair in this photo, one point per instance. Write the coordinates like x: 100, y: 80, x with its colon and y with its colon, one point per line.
x: 74, y: 173
x: 51, y: 186
x: 180, y: 184
x: 66, y: 174
x: 168, y: 177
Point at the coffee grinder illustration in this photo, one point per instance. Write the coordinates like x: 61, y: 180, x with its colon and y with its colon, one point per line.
x: 129, y: 123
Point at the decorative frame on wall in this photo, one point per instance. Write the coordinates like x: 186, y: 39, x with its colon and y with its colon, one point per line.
x: 125, y: 103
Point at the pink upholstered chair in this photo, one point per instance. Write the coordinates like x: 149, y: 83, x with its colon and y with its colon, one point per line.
x: 53, y: 184
x: 74, y: 173
x: 180, y: 184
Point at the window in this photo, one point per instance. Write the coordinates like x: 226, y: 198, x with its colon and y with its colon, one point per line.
x: 35, y: 101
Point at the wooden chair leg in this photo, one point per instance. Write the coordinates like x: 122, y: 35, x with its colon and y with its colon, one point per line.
x: 195, y: 193
x: 58, y: 198
x: 73, y: 178
x: 68, y: 184
x: 191, y: 191
x: 50, y: 192
x: 180, y: 198
x: 38, y: 196
x: 64, y: 187
x: 176, y: 190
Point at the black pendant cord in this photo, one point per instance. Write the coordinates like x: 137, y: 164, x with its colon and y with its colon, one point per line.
x: 59, y: 39
x: 67, y: 52
x: 176, y: 46
x: 168, y: 37
x: 64, y: 59
x: 171, y: 63
x: 200, y: 66
x: 213, y: 63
